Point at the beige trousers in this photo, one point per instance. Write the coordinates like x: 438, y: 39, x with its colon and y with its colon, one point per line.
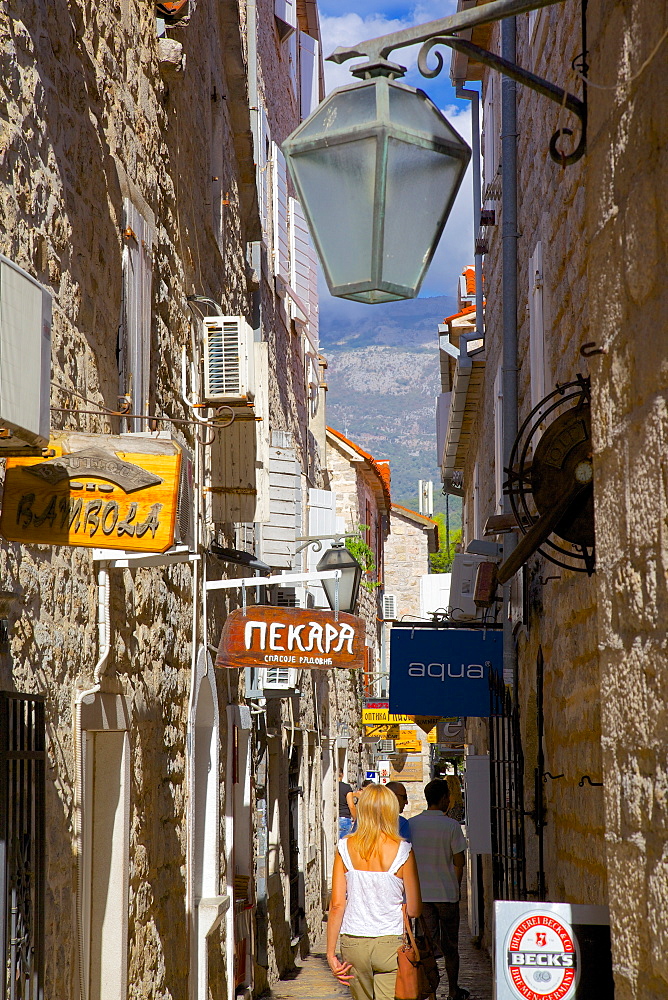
x: 374, y: 960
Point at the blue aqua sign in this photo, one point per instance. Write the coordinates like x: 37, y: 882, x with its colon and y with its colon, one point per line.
x: 444, y: 671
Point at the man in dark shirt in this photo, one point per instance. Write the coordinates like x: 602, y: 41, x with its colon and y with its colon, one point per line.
x: 347, y: 810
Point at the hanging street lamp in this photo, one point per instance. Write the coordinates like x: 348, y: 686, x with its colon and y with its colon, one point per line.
x: 341, y: 592
x: 377, y: 166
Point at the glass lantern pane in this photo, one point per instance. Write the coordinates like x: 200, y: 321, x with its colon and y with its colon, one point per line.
x: 413, y: 111
x: 338, y: 184
x: 420, y: 183
x: 343, y: 110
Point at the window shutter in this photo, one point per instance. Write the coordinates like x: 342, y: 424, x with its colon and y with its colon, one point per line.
x: 322, y: 520
x: 280, y: 242
x: 536, y: 326
x: 309, y: 74
x: 263, y: 172
x: 135, y: 353
x: 489, y: 131
x: 239, y: 459
x: 286, y: 13
x: 304, y: 269
x: 281, y: 528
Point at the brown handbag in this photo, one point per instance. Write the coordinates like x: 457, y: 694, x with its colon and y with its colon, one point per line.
x: 417, y: 973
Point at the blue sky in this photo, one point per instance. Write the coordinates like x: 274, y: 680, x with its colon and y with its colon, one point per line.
x: 349, y: 21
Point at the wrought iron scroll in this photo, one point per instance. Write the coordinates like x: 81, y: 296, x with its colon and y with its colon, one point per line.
x: 520, y: 75
x: 442, y: 32
x: 22, y: 780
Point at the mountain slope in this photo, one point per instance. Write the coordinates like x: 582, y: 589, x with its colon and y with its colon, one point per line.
x: 383, y: 381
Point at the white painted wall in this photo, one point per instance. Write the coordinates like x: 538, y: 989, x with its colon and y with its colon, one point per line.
x: 434, y: 593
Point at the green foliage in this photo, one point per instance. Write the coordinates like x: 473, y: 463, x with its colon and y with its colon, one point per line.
x: 360, y: 551
x: 441, y: 561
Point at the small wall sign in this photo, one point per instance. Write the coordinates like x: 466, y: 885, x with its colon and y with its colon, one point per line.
x: 408, y: 769
x: 109, y: 492
x: 552, y: 951
x: 291, y: 637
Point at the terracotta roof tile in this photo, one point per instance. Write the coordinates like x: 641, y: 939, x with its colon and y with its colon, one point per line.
x: 463, y: 312
x: 469, y: 274
x: 381, y: 466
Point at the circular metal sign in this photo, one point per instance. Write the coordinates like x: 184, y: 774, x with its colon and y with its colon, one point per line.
x: 541, y: 958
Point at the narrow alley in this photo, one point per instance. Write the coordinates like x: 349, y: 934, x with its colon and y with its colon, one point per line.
x: 314, y: 980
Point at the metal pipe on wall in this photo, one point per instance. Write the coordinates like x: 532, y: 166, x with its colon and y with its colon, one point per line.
x: 509, y: 238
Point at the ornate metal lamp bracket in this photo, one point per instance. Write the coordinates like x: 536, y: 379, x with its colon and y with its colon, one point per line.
x: 442, y: 32
x: 317, y: 540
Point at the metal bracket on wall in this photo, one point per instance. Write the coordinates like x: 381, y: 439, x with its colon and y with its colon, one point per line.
x: 440, y: 32
x: 586, y: 778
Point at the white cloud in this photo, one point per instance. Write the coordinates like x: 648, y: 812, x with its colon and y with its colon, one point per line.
x: 363, y: 21
x: 455, y: 249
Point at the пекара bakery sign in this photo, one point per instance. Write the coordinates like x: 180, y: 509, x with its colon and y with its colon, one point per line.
x: 291, y: 637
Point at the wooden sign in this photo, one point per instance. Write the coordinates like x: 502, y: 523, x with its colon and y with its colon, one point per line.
x: 109, y: 494
x: 408, y: 744
x: 291, y: 637
x: 426, y: 722
x: 384, y: 731
x: 409, y: 770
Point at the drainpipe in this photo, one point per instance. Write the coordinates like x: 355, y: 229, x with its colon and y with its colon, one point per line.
x: 510, y: 237
x: 104, y: 651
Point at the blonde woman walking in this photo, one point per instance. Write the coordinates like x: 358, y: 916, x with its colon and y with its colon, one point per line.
x: 373, y: 869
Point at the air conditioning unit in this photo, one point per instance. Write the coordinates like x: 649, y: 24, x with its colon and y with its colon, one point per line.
x: 278, y: 682
x: 25, y: 362
x: 390, y: 607
x: 462, y: 605
x: 385, y: 746
x: 228, y: 360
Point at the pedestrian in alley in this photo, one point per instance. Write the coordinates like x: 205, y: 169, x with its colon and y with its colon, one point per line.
x: 347, y: 807
x: 439, y: 846
x: 402, y: 797
x: 373, y: 869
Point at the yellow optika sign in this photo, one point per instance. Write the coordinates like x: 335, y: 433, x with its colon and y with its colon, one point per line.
x: 99, y: 496
x: 375, y: 716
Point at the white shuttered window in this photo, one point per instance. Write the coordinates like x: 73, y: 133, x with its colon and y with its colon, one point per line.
x: 304, y: 269
x: 135, y: 343
x: 285, y: 515
x: 489, y: 129
x: 309, y: 74
x: 281, y: 241
x: 322, y: 520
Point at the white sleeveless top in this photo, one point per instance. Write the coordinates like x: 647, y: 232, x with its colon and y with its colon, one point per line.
x: 374, y: 899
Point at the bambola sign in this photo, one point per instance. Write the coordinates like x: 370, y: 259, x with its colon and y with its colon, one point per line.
x: 291, y: 637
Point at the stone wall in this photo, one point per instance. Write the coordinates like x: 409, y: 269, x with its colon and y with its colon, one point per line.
x: 625, y: 228
x: 560, y: 615
x: 406, y: 561
x: 87, y: 120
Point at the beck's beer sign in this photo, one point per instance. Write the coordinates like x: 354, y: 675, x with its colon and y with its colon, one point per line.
x: 291, y: 637
x: 113, y: 492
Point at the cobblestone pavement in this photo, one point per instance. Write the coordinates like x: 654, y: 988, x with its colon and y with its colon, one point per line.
x: 314, y: 981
